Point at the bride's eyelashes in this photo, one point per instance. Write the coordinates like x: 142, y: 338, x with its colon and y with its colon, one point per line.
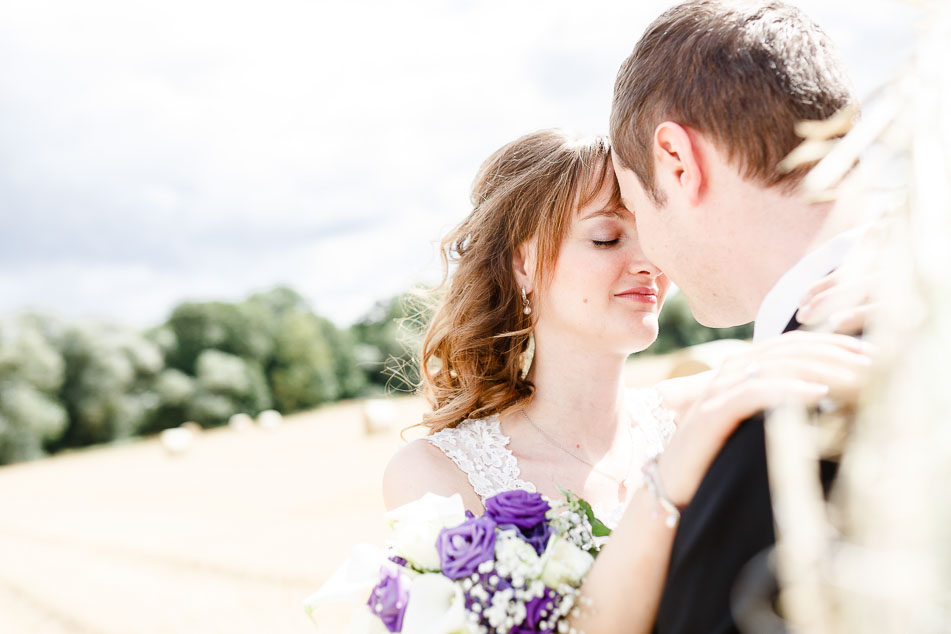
x: 606, y: 233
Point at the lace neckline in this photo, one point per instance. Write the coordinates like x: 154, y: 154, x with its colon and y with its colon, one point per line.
x: 480, y: 449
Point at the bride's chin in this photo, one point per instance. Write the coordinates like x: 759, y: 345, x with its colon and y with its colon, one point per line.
x: 643, y: 338
x: 647, y: 325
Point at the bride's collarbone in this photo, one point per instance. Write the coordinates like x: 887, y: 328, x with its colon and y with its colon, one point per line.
x: 551, y: 469
x: 551, y: 475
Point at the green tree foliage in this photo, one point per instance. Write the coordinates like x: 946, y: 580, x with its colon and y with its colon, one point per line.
x: 230, y: 328
x: 351, y: 381
x: 107, y: 391
x: 31, y: 373
x: 678, y: 328
x: 389, y: 339
x: 29, y: 418
x: 175, y: 391
x: 67, y: 385
x: 311, y: 361
x: 303, y: 371
x: 293, y: 359
x: 71, y: 385
x: 226, y: 384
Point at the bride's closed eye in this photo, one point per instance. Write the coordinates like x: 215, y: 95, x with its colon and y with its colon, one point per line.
x: 606, y: 243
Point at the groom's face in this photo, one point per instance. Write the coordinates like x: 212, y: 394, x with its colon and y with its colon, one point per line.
x: 685, y: 249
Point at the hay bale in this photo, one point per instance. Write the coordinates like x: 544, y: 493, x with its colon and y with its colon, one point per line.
x: 270, y: 419
x: 177, y: 440
x: 379, y: 415
x: 240, y: 422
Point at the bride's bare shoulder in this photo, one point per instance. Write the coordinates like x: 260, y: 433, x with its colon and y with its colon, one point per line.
x: 420, y: 467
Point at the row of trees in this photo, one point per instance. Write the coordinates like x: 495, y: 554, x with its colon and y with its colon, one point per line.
x: 70, y: 385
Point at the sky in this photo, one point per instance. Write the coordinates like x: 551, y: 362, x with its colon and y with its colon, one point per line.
x: 158, y: 152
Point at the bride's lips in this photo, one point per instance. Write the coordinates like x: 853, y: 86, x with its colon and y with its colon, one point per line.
x: 644, y: 294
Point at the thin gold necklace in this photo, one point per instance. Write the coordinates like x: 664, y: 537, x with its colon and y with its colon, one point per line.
x: 622, y: 483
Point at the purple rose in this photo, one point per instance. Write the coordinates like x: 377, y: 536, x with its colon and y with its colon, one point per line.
x: 534, y: 616
x: 517, y: 508
x: 389, y: 598
x: 537, y: 536
x: 463, y: 548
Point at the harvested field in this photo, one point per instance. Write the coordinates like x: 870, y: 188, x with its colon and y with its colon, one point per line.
x: 227, y: 537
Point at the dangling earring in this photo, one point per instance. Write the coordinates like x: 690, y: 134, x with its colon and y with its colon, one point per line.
x: 528, y: 355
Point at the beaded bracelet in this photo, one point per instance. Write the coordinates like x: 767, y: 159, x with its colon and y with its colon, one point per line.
x: 652, y: 480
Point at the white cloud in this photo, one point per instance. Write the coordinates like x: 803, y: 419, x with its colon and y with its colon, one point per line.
x: 151, y: 152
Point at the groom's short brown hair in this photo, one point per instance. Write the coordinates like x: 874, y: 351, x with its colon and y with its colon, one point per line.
x: 743, y: 74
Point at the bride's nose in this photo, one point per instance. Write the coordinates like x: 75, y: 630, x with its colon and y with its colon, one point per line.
x: 640, y: 265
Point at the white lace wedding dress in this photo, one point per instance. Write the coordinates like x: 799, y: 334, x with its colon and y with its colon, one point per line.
x: 480, y: 449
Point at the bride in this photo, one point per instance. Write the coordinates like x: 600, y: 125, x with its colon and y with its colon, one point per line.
x: 547, y: 294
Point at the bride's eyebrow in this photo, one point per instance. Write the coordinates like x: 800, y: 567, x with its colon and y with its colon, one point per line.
x: 607, y: 211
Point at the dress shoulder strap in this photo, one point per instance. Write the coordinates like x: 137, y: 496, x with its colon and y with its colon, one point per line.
x: 480, y: 450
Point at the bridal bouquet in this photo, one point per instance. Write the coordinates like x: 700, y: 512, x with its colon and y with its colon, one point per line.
x: 514, y: 570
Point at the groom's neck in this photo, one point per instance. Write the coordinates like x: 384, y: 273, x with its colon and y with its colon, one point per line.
x: 788, y: 227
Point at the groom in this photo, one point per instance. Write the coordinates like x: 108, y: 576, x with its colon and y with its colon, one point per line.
x: 704, y: 110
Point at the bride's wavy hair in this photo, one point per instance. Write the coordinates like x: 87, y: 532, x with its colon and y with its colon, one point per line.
x: 471, y: 359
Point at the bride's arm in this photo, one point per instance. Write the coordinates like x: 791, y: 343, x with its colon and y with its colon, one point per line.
x: 679, y: 395
x: 623, y: 589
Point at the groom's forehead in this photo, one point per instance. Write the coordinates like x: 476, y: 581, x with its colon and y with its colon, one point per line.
x: 626, y: 180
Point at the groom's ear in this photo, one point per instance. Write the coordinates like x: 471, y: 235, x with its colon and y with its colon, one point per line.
x: 677, y: 162
x: 524, y: 262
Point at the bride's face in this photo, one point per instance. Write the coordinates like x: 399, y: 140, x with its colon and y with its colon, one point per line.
x: 604, y: 292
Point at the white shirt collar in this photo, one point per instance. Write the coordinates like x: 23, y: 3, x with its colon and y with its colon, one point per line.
x: 782, y: 301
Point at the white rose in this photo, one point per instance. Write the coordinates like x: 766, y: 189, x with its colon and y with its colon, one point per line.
x: 416, y: 526
x: 436, y: 606
x: 563, y: 562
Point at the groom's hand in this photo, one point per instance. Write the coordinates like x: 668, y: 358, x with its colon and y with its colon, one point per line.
x: 837, y: 303
x: 798, y: 367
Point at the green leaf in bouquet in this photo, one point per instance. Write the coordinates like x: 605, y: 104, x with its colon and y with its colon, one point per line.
x: 598, y: 528
x: 569, y: 496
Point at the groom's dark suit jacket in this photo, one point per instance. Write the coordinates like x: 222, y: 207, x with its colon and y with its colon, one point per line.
x: 728, y: 523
